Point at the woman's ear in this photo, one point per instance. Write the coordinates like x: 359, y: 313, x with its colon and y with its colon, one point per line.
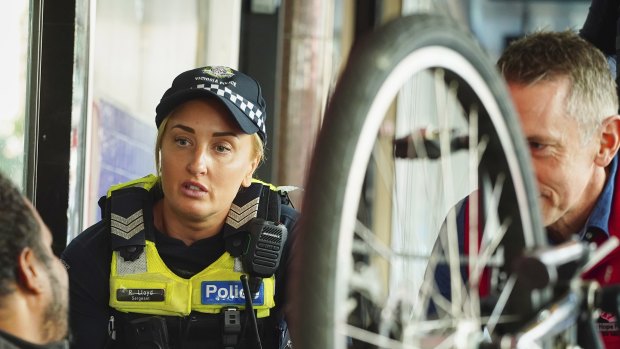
x: 247, y: 180
x: 609, y: 141
x: 29, y: 271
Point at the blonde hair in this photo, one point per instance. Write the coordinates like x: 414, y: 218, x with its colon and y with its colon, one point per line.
x: 257, y: 144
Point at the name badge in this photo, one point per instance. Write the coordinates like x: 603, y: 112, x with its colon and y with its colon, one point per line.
x: 140, y: 295
x: 228, y: 292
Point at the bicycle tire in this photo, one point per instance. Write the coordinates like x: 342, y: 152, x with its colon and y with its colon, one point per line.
x: 322, y: 247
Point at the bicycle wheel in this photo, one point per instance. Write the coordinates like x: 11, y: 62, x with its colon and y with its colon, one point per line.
x: 418, y: 121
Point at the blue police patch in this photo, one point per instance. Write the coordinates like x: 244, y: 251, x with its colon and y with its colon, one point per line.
x: 228, y: 292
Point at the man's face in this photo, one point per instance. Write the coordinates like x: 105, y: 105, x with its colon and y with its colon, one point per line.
x: 563, y: 163
x: 56, y: 315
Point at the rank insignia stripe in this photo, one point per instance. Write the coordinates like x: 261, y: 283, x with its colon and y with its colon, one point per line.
x: 238, y: 216
x: 241, y: 209
x: 127, y: 227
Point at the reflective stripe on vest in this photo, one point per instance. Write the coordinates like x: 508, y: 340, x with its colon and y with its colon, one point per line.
x: 147, y: 286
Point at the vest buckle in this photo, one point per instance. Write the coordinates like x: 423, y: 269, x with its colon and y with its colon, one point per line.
x: 231, y: 327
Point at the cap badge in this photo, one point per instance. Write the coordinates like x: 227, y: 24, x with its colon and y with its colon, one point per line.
x: 219, y: 72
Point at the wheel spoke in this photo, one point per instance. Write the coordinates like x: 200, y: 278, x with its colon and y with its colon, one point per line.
x: 416, y: 201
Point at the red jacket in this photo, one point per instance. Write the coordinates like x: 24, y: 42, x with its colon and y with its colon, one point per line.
x: 604, y: 221
x: 607, y: 271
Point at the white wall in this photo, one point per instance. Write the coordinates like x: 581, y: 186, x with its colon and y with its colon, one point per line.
x: 141, y: 45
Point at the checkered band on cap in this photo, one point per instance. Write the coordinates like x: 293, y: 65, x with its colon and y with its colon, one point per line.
x: 248, y: 108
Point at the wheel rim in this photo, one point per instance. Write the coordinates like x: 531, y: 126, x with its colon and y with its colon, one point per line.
x: 432, y: 57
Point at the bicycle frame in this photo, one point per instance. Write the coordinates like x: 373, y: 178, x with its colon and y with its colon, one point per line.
x: 573, y: 310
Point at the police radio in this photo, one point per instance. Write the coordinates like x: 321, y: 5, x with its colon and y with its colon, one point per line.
x: 261, y: 258
x: 264, y: 249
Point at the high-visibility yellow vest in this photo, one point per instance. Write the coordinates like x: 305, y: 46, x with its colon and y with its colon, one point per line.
x: 146, y: 285
x: 158, y: 291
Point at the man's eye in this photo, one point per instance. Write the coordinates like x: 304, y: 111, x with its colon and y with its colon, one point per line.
x: 536, y: 146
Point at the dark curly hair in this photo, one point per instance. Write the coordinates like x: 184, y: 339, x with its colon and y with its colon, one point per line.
x: 18, y: 229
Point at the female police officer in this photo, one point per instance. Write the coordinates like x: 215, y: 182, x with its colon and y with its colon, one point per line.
x: 164, y: 268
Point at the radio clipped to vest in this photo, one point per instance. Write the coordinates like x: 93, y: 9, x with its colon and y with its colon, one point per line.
x: 253, y: 233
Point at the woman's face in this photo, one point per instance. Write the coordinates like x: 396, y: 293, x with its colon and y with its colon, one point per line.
x: 205, y: 159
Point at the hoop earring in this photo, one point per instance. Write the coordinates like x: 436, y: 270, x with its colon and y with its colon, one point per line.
x: 158, y: 163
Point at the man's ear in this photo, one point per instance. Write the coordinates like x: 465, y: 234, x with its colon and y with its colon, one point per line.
x: 247, y: 180
x: 610, y: 141
x: 29, y: 272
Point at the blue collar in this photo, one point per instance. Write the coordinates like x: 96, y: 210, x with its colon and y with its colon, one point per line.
x: 599, y: 218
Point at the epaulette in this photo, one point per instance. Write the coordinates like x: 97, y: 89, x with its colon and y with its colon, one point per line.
x: 259, y: 200
x: 128, y: 208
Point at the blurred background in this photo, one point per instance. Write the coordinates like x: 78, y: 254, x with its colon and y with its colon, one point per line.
x: 80, y: 79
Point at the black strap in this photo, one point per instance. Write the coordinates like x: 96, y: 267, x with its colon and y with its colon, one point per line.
x: 231, y: 327
x: 130, y: 217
